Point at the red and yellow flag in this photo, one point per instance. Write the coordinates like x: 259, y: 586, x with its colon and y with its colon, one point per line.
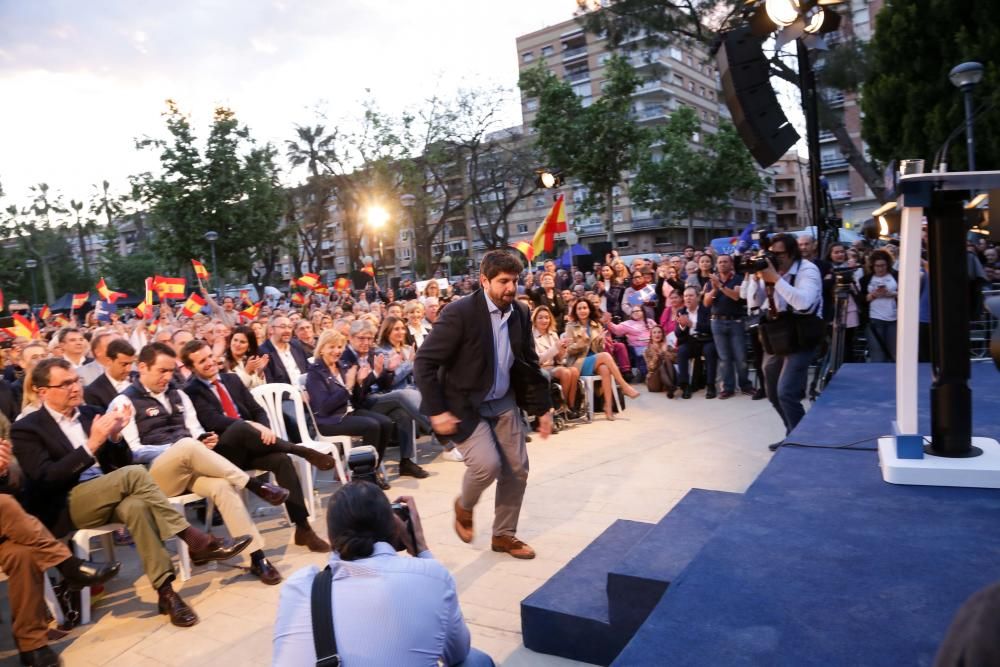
x: 245, y: 297
x: 194, y: 304
x: 298, y: 298
x: 342, y: 284
x: 554, y: 223
x: 60, y: 320
x: 169, y: 288
x: 369, y: 269
x: 107, y: 293
x: 45, y: 313
x: 199, y: 270
x: 309, y: 281
x: 250, y: 313
x: 80, y: 299
x: 145, y: 308
x: 322, y: 289
x: 23, y: 327
x: 1, y: 299
x: 525, y: 249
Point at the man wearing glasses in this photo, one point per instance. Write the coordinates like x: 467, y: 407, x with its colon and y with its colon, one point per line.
x: 788, y: 284
x: 287, y: 359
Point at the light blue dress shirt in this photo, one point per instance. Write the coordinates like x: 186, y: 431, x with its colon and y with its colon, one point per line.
x: 501, y: 348
x: 387, y: 610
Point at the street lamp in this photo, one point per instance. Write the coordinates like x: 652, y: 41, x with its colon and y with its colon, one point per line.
x: 408, y: 201
x: 447, y: 266
x: 30, y: 264
x: 965, y: 77
x: 377, y: 219
x: 212, y: 237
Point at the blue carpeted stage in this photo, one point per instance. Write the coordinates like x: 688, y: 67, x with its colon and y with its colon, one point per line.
x: 819, y: 563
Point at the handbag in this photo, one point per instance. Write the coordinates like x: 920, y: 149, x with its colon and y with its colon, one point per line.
x: 789, y: 331
x: 324, y: 636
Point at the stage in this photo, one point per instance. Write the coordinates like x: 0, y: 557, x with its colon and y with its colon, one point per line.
x: 820, y: 562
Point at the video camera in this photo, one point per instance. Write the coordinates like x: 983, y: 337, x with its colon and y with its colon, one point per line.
x: 756, y: 261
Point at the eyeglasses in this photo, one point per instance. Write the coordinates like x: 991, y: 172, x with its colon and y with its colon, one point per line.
x: 68, y: 384
x: 365, y: 337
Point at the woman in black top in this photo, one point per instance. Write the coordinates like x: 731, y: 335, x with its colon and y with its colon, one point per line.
x: 546, y: 295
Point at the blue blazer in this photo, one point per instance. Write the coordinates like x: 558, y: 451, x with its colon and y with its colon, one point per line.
x: 328, y: 398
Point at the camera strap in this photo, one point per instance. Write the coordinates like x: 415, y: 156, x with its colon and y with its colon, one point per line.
x: 324, y: 636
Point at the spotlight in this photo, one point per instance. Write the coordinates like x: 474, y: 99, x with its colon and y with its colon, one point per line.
x: 782, y: 12
x: 548, y: 178
x: 820, y: 21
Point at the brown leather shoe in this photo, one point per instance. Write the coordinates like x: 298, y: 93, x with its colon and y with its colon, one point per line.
x: 463, y: 522
x: 266, y: 572
x: 272, y: 493
x: 180, y: 613
x: 220, y: 549
x: 307, y: 537
x: 513, y: 546
x: 315, y: 458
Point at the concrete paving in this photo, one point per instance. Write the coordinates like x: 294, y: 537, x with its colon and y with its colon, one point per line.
x: 582, y: 479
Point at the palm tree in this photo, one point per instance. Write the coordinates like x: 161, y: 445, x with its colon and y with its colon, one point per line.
x: 314, y: 149
x: 43, y: 208
x: 84, y: 227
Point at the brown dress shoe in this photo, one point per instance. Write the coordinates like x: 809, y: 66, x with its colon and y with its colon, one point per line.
x: 220, y: 549
x: 266, y: 572
x: 315, y: 458
x: 463, y: 522
x: 272, y: 493
x: 180, y: 613
x: 513, y: 546
x: 307, y: 537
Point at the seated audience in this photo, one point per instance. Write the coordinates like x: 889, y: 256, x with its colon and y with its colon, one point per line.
x: 660, y: 357
x: 243, y: 359
x: 585, y: 351
x: 551, y: 351
x: 694, y: 340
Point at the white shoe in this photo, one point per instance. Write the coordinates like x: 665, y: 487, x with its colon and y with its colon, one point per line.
x: 453, y: 455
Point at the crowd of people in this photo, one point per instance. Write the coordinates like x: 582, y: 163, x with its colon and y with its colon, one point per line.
x: 103, y: 421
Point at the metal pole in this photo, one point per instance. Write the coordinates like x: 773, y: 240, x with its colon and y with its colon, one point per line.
x: 807, y: 83
x: 970, y: 143
x: 34, y: 288
x: 215, y: 268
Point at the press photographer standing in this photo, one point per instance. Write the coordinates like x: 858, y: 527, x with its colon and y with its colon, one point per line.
x: 790, y: 293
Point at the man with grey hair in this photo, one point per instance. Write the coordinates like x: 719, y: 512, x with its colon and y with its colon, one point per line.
x: 98, y: 344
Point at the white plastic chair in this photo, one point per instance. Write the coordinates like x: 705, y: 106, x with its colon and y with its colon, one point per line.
x: 81, y: 549
x: 52, y: 602
x: 588, y: 383
x: 183, y: 553
x: 270, y: 397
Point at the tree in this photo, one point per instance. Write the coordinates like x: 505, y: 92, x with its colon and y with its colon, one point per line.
x: 684, y: 178
x: 85, y: 226
x: 596, y: 145
x: 632, y: 24
x: 40, y: 236
x: 500, y: 175
x: 910, y: 106
x: 314, y: 149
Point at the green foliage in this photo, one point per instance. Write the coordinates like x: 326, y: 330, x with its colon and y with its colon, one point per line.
x: 595, y: 145
x: 684, y: 179
x: 126, y: 270
x: 910, y: 107
x: 658, y: 21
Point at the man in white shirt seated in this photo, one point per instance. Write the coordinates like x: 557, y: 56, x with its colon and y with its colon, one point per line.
x: 92, y: 370
x: 375, y: 588
x: 165, y: 431
x: 116, y: 362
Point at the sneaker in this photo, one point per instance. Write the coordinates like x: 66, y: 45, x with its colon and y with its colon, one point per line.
x: 453, y: 455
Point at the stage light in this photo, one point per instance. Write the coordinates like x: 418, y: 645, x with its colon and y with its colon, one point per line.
x: 883, y: 226
x: 548, y: 178
x: 377, y: 217
x: 978, y: 200
x: 782, y: 12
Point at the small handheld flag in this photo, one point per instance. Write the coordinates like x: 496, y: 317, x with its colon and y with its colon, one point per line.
x: 525, y: 249
x: 79, y: 300
x: 342, y: 284
x: 194, y: 304
x: 200, y: 270
x: 250, y: 313
x: 107, y: 293
x: 45, y: 313
x: 23, y: 327
x: 169, y: 288
x: 298, y: 298
x: 309, y: 281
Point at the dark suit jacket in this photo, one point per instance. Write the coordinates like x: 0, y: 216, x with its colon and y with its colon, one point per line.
x: 702, y: 328
x: 275, y: 369
x: 367, y: 386
x: 7, y: 405
x: 209, y: 408
x: 328, y: 398
x: 53, y: 466
x: 100, y: 392
x: 455, y: 365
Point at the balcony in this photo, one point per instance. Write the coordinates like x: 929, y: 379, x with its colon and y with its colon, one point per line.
x: 840, y: 194
x: 826, y: 135
x: 647, y: 113
x: 654, y: 86
x: 647, y: 223
x: 574, y: 53
x: 577, y: 76
x: 833, y: 163
x: 644, y: 58
x: 834, y: 99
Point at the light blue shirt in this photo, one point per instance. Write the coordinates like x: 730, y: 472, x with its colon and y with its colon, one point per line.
x: 501, y: 348
x: 387, y: 610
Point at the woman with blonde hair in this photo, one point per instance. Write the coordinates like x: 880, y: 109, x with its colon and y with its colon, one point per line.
x: 551, y: 351
x: 585, y: 351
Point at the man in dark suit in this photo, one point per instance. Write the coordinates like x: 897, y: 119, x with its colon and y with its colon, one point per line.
x: 287, y: 360
x: 475, y: 370
x: 694, y: 340
x: 8, y: 408
x: 79, y: 476
x: 225, y: 406
x: 117, y: 361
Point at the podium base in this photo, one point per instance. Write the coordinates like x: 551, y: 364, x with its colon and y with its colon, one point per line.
x: 981, y: 472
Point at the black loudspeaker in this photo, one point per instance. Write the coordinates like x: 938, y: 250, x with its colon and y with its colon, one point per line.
x: 598, y: 250
x: 754, y: 107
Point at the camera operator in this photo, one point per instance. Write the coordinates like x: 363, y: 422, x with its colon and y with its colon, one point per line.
x: 374, y: 590
x: 788, y: 283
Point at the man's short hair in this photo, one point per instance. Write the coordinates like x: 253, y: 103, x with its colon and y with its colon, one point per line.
x: 62, y: 333
x: 496, y: 262
x: 190, y: 348
x: 791, y: 245
x: 174, y: 335
x: 358, y: 516
x: 149, y: 353
x: 119, y: 346
x: 359, y: 327
x: 100, y: 337
x: 43, y: 371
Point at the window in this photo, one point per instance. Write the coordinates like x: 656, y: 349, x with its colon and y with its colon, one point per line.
x: 539, y: 201
x: 604, y: 58
x: 701, y: 90
x: 582, y: 89
x: 522, y: 228
x: 403, y: 253
x: 531, y: 104
x: 547, y: 51
x: 696, y: 137
x: 676, y: 54
x: 622, y: 243
x: 691, y: 86
x: 662, y: 239
x: 528, y: 56
x: 619, y: 216
x: 678, y: 80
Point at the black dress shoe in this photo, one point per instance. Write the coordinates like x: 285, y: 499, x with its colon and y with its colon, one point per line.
x: 41, y: 657
x: 180, y: 613
x: 315, y: 458
x: 272, y: 493
x: 410, y: 469
x: 686, y: 393
x: 266, y: 572
x: 710, y: 392
x: 89, y: 574
x: 759, y: 395
x: 382, y: 482
x: 221, y: 549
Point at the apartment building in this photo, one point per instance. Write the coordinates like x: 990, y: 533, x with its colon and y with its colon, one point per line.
x: 790, y: 198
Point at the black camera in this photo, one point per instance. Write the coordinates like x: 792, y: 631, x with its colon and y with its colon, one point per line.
x: 756, y: 261
x: 403, y: 512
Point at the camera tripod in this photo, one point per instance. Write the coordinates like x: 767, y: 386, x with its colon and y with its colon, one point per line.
x: 834, y: 357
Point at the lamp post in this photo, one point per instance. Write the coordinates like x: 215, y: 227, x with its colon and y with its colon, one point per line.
x: 377, y: 219
x: 30, y: 264
x: 408, y: 201
x: 965, y: 77
x: 447, y: 266
x: 212, y: 237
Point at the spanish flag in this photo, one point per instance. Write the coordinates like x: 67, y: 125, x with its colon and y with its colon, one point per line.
x: 342, y: 284
x: 199, y: 270
x: 245, y: 297
x: 23, y: 327
x: 145, y: 307
x: 322, y: 289
x: 554, y: 223
x: 369, y: 269
x: 45, y: 313
x: 80, y: 299
x: 250, y: 313
x: 194, y: 304
x: 106, y: 293
x: 298, y: 298
x: 60, y: 320
x: 525, y: 249
x: 169, y: 288
x: 309, y: 281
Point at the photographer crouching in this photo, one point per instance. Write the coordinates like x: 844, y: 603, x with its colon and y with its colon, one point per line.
x: 369, y: 606
x: 789, y: 291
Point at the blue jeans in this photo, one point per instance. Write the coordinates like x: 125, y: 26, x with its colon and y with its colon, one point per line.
x: 476, y: 658
x: 731, y: 346
x: 882, y: 341
x: 785, y: 378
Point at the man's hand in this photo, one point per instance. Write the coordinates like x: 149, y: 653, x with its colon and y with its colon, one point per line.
x: 683, y: 321
x: 5, y: 456
x: 101, y: 430
x: 267, y: 436
x: 716, y: 283
x: 414, y: 548
x: 362, y: 372
x: 545, y: 425
x: 210, y: 439
x: 379, y: 363
x: 445, y: 423
x: 395, y: 360
x: 768, y: 275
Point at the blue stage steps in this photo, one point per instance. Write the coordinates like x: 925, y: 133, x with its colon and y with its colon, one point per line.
x: 591, y: 608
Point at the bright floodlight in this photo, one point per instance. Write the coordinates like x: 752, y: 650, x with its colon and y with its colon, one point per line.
x: 548, y: 179
x: 377, y: 217
x: 782, y: 12
x: 814, y: 20
x: 966, y: 75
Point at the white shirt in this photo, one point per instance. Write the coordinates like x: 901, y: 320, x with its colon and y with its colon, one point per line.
x: 291, y: 366
x: 146, y: 453
x: 119, y: 386
x: 411, y: 600
x: 884, y: 307
x: 72, y: 428
x: 806, y: 295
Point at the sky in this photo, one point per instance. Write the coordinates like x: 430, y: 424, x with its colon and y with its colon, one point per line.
x: 80, y: 81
